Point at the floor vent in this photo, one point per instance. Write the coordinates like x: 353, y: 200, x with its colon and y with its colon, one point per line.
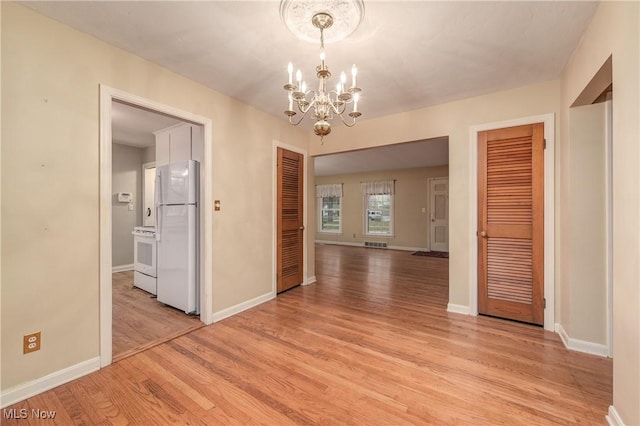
x: 374, y: 244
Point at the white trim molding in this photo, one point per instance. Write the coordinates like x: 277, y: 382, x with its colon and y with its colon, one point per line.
x: 408, y: 248
x: 458, y: 309
x: 581, y: 345
x: 613, y: 418
x: 340, y: 243
x: 122, y: 268
x: 107, y: 96
x: 549, y: 210
x: 240, y: 307
x: 50, y: 381
x: 309, y: 280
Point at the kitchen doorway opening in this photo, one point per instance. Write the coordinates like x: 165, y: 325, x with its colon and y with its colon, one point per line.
x: 144, y: 313
x: 117, y: 270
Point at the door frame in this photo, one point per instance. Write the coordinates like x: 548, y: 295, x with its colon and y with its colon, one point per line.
x: 107, y: 96
x: 429, y: 183
x: 549, y: 210
x: 274, y: 213
x: 608, y: 191
x: 145, y: 166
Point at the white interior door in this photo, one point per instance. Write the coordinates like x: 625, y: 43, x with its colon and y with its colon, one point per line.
x: 149, y: 189
x: 439, y: 215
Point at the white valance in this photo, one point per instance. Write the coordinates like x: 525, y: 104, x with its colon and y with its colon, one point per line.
x: 378, y: 188
x: 329, y: 190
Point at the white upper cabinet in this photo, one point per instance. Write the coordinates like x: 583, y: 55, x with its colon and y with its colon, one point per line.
x: 183, y: 141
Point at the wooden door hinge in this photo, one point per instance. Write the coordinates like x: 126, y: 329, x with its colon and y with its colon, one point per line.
x: 544, y: 303
x: 545, y: 143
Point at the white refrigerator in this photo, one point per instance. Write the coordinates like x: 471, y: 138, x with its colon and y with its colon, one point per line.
x: 177, y: 232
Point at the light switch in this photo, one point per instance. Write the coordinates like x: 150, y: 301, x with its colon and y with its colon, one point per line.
x: 130, y: 207
x: 424, y: 210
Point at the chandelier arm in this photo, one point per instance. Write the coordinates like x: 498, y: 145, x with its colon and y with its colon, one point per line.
x: 336, y: 109
x: 353, y: 123
x: 309, y: 104
x: 304, y: 114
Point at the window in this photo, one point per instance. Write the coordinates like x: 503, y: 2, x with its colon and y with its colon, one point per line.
x: 378, y: 207
x: 329, y: 208
x: 330, y: 214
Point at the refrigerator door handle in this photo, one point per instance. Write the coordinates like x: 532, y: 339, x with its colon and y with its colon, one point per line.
x: 158, y: 188
x: 158, y: 223
x: 158, y: 201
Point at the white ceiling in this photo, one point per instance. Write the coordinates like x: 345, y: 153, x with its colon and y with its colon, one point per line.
x: 135, y: 126
x: 410, y: 54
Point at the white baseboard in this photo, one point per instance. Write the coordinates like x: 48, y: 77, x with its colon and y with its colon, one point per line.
x: 613, y: 418
x: 50, y: 381
x: 581, y: 345
x: 340, y: 243
x: 310, y: 280
x: 458, y: 309
x: 408, y: 248
x: 122, y: 268
x: 226, y: 313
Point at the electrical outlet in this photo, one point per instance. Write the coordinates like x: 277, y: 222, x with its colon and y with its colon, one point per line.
x: 31, y: 343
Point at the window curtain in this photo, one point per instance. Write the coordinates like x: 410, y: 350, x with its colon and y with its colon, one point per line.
x: 329, y: 190
x: 378, y: 188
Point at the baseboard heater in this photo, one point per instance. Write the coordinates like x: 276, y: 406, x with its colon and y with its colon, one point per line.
x: 375, y: 244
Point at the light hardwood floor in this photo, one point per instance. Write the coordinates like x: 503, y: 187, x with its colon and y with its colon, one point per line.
x: 369, y: 343
x: 140, y: 321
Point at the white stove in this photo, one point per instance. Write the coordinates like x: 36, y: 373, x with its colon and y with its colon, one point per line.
x: 144, y: 253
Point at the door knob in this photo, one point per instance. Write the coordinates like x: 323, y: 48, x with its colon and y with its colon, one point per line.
x: 302, y: 228
x: 483, y: 234
x: 148, y: 212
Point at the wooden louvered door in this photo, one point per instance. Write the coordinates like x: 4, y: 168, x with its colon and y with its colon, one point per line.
x: 511, y: 223
x: 290, y: 215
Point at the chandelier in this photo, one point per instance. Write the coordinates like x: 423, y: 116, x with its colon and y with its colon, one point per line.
x: 324, y: 104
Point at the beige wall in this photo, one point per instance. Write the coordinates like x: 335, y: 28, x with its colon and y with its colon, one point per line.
x: 126, y: 176
x: 614, y: 31
x: 411, y: 225
x: 50, y: 126
x: 453, y: 120
x: 584, y: 314
x: 149, y: 154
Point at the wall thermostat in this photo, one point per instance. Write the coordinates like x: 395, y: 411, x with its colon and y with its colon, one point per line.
x: 124, y: 197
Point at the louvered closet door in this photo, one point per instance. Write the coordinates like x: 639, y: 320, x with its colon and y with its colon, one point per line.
x: 510, y: 223
x: 290, y: 219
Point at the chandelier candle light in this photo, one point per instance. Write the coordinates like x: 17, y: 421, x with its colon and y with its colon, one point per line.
x: 325, y: 104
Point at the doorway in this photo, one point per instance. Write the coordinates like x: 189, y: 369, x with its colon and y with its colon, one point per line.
x: 439, y: 215
x: 511, y: 223
x: 148, y: 193
x: 141, y: 317
x: 549, y: 218
x: 107, y: 97
x: 290, y: 219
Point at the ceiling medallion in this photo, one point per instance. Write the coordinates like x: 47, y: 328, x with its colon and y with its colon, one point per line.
x: 296, y: 14
x: 324, y: 103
